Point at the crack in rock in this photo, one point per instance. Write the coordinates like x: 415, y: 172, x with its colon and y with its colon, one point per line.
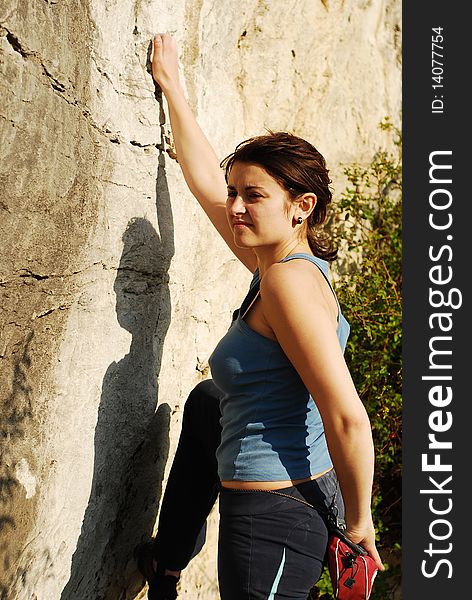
x: 49, y: 311
x: 63, y: 89
x: 34, y: 56
x: 157, y: 145
x: 28, y: 273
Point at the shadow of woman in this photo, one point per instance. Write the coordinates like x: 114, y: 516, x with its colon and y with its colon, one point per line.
x: 131, y: 437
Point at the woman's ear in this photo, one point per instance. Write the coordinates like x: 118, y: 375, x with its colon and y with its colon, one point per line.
x: 306, y: 205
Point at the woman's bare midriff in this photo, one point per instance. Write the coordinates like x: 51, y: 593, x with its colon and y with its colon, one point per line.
x: 268, y: 485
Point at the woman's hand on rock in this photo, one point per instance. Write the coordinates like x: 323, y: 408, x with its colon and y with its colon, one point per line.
x: 165, y: 62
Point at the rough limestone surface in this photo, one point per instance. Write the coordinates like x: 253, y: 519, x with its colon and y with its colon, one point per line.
x: 115, y: 288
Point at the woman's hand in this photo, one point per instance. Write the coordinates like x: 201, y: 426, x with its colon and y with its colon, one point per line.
x: 365, y: 536
x: 165, y: 63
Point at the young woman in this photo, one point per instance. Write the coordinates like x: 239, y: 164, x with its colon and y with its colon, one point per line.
x: 292, y: 423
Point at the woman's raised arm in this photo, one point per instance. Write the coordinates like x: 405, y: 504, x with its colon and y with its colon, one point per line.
x: 197, y: 159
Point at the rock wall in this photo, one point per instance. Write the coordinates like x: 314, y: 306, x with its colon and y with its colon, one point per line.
x: 114, y: 286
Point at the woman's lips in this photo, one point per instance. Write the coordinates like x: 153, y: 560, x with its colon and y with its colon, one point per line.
x: 240, y: 225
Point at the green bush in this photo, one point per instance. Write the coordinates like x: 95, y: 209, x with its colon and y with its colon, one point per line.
x: 367, y: 229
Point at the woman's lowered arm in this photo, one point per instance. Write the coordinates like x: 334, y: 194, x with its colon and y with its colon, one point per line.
x: 306, y: 332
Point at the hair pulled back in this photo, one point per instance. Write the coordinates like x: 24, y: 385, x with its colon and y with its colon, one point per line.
x: 299, y: 168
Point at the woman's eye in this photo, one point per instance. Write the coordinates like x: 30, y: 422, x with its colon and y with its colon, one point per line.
x: 252, y: 196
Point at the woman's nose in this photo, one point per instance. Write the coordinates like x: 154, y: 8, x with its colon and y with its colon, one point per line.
x: 236, y: 205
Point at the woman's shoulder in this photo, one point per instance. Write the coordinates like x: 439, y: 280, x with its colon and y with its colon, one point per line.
x: 298, y: 283
x: 295, y: 275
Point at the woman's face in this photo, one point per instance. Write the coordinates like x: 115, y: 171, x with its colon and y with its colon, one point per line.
x: 257, y: 208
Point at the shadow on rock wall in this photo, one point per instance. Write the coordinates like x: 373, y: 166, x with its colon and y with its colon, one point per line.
x: 16, y: 414
x: 131, y: 437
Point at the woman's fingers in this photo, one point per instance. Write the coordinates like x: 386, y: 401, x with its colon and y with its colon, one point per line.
x: 373, y: 553
x: 157, y: 49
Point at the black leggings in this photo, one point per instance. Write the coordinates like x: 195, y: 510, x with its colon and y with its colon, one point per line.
x: 270, y: 546
x: 193, y: 484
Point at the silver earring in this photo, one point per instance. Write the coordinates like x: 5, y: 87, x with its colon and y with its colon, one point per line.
x: 299, y: 220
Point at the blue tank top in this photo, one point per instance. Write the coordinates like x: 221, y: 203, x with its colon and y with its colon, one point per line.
x: 271, y: 427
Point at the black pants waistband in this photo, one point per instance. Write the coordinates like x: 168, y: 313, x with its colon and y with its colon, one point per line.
x: 318, y: 493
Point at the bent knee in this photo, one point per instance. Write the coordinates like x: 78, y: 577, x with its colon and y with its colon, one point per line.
x: 203, y: 401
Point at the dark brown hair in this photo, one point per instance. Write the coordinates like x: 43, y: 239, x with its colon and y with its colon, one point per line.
x: 299, y: 168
